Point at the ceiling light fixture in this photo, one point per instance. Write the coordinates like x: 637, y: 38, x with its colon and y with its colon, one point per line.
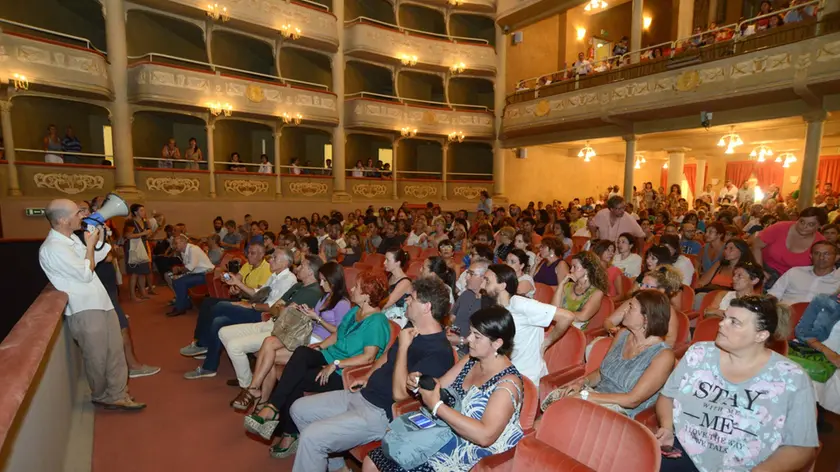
x: 595, y: 5
x: 456, y: 136
x: 407, y: 132
x: 217, y: 108
x: 408, y: 60
x: 290, y: 32
x: 786, y: 158
x: 20, y: 82
x: 217, y: 12
x: 586, y: 152
x: 730, y: 141
x: 761, y: 152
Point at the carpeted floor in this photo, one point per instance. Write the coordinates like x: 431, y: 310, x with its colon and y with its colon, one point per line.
x: 188, y: 425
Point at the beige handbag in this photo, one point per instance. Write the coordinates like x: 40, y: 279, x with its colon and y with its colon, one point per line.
x: 292, y: 327
x: 137, y: 253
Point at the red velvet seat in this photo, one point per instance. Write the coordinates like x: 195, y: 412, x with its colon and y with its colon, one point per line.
x: 578, y: 243
x: 413, y: 252
x: 577, y: 435
x: 565, y: 357
x: 596, y: 323
x: 706, y: 330
x: 708, y: 298
x: 683, y: 334
x: 350, y: 274
x: 544, y: 292
x: 558, y: 379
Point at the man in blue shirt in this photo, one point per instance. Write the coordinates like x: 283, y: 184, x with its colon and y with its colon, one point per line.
x: 71, y: 143
x: 687, y: 244
x: 338, y: 421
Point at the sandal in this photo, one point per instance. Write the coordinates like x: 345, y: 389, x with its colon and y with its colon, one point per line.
x: 264, y: 428
x: 278, y: 452
x: 245, y: 400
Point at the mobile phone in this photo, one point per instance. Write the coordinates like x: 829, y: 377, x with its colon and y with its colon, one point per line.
x: 226, y: 276
x: 670, y: 452
x: 421, y: 421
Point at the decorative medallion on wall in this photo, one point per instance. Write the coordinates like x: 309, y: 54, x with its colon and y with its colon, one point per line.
x: 419, y: 191
x: 172, y: 185
x: 70, y: 184
x: 370, y: 190
x: 246, y: 187
x: 429, y: 117
x: 542, y: 108
x: 308, y: 189
x: 688, y: 81
x: 470, y: 193
x: 255, y: 93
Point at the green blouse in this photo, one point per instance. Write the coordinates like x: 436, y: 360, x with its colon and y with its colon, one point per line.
x: 353, y: 336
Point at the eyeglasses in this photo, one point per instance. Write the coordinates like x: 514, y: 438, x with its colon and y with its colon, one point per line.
x: 648, y: 286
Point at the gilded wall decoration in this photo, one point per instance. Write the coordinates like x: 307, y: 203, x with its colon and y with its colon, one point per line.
x: 308, y: 189
x: 688, y: 81
x: 71, y: 184
x: 370, y: 190
x: 470, y: 193
x: 246, y: 187
x: 255, y: 93
x: 542, y: 108
x: 419, y: 191
x: 828, y: 51
x: 172, y: 185
x: 89, y: 64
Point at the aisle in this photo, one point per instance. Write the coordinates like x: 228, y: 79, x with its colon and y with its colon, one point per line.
x: 188, y: 425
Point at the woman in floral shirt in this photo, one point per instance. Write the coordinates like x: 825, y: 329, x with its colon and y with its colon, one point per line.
x: 735, y: 405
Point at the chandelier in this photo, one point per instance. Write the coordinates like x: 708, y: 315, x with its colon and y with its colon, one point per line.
x: 292, y: 120
x: 456, y: 136
x: 586, y: 152
x: 20, y: 82
x: 730, y: 141
x: 761, y: 152
x: 408, y: 60
x: 216, y: 12
x: 458, y: 67
x: 665, y: 165
x: 595, y: 5
x: 640, y: 159
x: 290, y: 32
x: 217, y: 108
x: 407, y: 132
x: 786, y: 158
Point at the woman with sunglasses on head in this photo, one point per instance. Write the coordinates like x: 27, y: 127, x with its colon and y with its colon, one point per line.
x: 664, y: 279
x: 735, y: 404
x: 583, y: 289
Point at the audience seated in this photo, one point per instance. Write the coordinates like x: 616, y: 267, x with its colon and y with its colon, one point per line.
x: 787, y: 244
x: 550, y: 267
x: 436, y: 266
x: 625, y: 259
x: 605, y: 250
x: 399, y: 285
x: 680, y: 262
x: 666, y: 280
x: 360, y: 339
x: 801, y: 284
x: 582, y: 290
x: 637, y: 364
x: 191, y: 274
x: 747, y: 280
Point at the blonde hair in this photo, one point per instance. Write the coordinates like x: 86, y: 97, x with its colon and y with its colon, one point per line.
x: 667, y: 278
x: 508, y: 233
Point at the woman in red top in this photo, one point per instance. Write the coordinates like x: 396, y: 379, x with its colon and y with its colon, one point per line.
x: 788, y: 244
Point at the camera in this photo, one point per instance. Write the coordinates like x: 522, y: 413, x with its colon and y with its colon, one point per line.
x: 505, y: 29
x: 706, y: 119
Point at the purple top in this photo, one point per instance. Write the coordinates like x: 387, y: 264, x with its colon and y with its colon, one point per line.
x: 332, y: 317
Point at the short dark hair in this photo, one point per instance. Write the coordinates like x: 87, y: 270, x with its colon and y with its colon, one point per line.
x: 753, y: 270
x: 672, y: 241
x: 656, y: 308
x: 522, y: 257
x: 433, y: 291
x: 554, y: 245
x: 135, y: 207
x: 815, y: 212
x: 770, y: 315
x: 439, y: 267
x: 484, y: 251
x: 495, y: 322
x: 315, y: 263
x: 506, y: 275
x: 661, y: 253
x: 825, y: 243
x: 631, y: 240
x: 614, y: 202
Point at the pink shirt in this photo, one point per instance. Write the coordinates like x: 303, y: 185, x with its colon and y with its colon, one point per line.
x: 609, y: 231
x: 776, y: 255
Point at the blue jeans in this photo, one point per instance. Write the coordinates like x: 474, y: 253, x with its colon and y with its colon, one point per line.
x: 205, y: 313
x: 819, y: 318
x: 181, y: 285
x: 224, y: 314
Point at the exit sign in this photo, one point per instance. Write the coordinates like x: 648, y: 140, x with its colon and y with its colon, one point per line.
x: 35, y: 212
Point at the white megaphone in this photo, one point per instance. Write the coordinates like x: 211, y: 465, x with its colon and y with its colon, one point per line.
x: 113, y: 206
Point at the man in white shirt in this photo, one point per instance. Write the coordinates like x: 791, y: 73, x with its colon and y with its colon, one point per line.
x: 729, y: 190
x: 530, y: 318
x: 240, y: 340
x: 582, y: 66
x: 802, y: 284
x: 191, y: 274
x: 91, y: 319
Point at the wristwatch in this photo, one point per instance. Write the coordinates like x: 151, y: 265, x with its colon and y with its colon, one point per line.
x: 253, y: 306
x: 337, y: 364
x: 584, y: 394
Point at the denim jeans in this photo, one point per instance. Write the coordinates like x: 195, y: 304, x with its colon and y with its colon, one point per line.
x: 181, y: 286
x: 205, y: 313
x: 819, y: 318
x: 224, y: 314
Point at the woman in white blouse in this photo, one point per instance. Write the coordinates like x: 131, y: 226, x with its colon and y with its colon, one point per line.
x: 517, y: 259
x: 681, y: 263
x: 747, y: 279
x: 625, y: 259
x: 265, y: 166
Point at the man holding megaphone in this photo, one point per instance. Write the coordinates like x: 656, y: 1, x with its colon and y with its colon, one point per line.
x: 69, y: 265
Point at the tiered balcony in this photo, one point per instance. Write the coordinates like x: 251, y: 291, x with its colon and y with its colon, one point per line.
x: 380, y: 41
x: 52, y: 59
x: 799, y: 61
x: 154, y: 78
x: 377, y: 112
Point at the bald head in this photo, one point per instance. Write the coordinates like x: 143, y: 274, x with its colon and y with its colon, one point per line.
x: 63, y: 214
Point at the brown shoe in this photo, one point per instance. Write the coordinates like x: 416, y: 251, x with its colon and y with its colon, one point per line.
x: 123, y: 405
x: 232, y: 383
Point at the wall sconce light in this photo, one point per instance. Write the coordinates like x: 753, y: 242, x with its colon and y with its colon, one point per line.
x: 292, y: 120
x: 665, y: 165
x: 407, y: 132
x: 456, y: 136
x: 217, y: 108
x: 456, y: 3
x: 646, y: 21
x: 458, y: 67
x: 581, y: 33
x: 20, y: 82
x: 216, y: 12
x: 290, y: 32
x: 408, y: 60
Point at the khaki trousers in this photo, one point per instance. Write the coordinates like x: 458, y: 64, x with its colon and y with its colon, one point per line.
x: 98, y: 334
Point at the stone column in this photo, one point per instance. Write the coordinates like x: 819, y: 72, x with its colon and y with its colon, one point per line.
x: 395, y: 160
x: 9, y: 147
x: 499, y: 105
x: 629, y: 163
x: 445, y: 167
x: 114, y: 12
x: 811, y: 160
x: 685, y: 19
x: 636, y: 28
x: 338, y: 136
x: 211, y: 156
x: 278, y: 192
x: 676, y: 162
x: 699, y: 179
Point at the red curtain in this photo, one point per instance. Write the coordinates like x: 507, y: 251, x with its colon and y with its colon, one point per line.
x: 829, y: 170
x: 690, y: 173
x: 663, y: 180
x: 768, y: 173
x: 739, y: 172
